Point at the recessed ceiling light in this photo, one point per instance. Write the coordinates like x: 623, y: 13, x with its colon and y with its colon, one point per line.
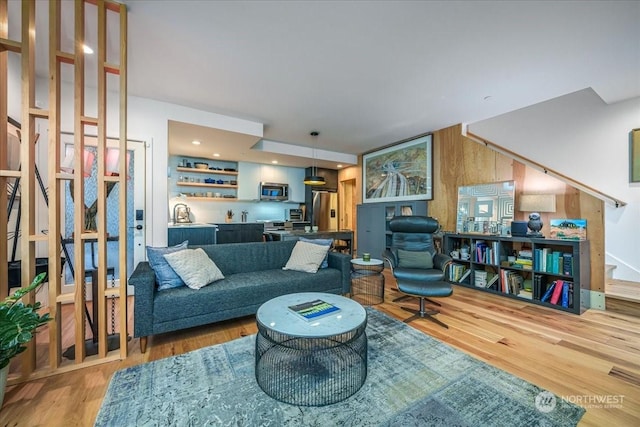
x: 195, y: 142
x: 339, y: 166
x: 216, y: 154
x: 275, y: 162
x: 87, y: 49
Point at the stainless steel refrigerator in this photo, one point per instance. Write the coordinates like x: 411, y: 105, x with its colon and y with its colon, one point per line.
x: 324, y: 210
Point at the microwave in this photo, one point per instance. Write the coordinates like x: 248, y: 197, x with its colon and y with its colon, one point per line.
x: 271, y: 191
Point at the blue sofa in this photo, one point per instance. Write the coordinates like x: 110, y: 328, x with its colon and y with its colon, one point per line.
x: 253, y: 275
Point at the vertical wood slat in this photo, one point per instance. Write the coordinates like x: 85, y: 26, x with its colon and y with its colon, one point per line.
x: 27, y: 164
x: 4, y: 76
x: 123, y: 183
x: 102, y: 193
x: 55, y: 189
x: 78, y: 179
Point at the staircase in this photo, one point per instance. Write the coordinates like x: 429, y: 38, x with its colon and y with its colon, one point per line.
x: 621, y: 296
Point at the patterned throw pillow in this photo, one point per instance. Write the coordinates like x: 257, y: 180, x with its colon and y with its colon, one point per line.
x: 194, y: 267
x: 323, y: 242
x: 306, y: 257
x: 166, y: 277
x: 415, y: 259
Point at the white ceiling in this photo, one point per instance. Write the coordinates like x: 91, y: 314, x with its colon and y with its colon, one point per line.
x: 369, y: 73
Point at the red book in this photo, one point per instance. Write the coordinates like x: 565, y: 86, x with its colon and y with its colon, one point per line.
x: 557, y: 291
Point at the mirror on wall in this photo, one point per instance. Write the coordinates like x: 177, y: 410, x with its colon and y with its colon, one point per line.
x: 485, y: 208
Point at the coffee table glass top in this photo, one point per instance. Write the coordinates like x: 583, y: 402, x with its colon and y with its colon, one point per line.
x: 275, y: 315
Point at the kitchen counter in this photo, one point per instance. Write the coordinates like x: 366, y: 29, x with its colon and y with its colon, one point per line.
x: 190, y: 224
x: 345, y: 235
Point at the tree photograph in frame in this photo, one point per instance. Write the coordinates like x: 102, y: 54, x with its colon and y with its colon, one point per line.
x: 634, y: 156
x: 403, y: 171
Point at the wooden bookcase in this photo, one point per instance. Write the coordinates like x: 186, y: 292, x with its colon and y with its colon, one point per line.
x: 508, y: 266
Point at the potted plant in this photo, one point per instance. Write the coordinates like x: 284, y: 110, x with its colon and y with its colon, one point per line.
x: 18, y: 321
x: 229, y: 217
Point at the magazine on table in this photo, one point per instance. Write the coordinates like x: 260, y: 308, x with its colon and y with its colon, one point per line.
x: 313, y: 309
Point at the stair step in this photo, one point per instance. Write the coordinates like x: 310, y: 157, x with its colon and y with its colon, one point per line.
x: 622, y: 289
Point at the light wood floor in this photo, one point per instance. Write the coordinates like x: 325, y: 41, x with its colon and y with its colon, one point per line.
x: 587, y: 358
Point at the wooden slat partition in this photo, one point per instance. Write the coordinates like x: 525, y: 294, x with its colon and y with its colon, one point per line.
x: 83, y: 124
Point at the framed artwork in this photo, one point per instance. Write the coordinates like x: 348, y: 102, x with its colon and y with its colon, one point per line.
x: 568, y: 229
x: 634, y: 156
x: 403, y: 171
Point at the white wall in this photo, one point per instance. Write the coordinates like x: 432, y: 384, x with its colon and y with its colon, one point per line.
x: 581, y: 137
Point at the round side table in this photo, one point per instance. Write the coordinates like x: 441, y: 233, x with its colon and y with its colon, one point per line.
x: 367, y: 281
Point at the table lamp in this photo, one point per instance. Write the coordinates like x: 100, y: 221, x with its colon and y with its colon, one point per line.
x: 536, y: 203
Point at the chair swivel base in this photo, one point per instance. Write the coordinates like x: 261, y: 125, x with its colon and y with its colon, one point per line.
x: 422, y: 313
x: 404, y: 297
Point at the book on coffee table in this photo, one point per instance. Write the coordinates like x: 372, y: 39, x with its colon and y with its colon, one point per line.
x: 313, y: 309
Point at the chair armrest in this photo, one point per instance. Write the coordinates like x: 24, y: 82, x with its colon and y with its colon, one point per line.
x: 390, y: 259
x: 343, y: 263
x: 143, y: 280
x: 441, y: 261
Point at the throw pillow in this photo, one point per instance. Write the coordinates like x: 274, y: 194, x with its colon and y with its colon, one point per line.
x: 166, y: 277
x: 194, y: 267
x: 415, y: 259
x: 322, y: 242
x: 306, y: 257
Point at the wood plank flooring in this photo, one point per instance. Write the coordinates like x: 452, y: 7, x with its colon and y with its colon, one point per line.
x: 592, y: 359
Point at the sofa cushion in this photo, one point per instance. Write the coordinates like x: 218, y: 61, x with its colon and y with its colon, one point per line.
x: 322, y: 242
x: 236, y: 291
x: 306, y: 257
x: 194, y: 267
x: 415, y: 259
x: 165, y: 275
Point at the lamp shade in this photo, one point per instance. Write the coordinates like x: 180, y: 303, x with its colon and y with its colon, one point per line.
x: 314, y: 180
x: 538, y: 202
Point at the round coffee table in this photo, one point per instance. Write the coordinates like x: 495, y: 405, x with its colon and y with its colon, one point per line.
x: 311, y: 362
x: 367, y: 281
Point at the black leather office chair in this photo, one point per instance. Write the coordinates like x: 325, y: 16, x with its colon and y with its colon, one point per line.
x: 415, y: 264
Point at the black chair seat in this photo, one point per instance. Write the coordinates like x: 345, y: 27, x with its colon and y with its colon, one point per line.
x: 417, y: 274
x: 425, y: 289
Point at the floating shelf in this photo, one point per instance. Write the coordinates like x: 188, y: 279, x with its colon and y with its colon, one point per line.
x: 204, y: 184
x: 216, y: 172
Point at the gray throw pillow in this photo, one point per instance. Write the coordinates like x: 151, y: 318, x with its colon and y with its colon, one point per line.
x: 415, y: 259
x: 194, y: 267
x: 306, y: 257
x: 321, y: 242
x: 166, y: 277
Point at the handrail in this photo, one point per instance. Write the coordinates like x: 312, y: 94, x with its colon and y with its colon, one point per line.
x: 590, y: 190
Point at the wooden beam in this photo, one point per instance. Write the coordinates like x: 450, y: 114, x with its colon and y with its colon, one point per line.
x: 4, y: 77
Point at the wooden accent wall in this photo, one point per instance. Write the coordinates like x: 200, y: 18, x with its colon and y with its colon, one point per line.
x: 460, y: 161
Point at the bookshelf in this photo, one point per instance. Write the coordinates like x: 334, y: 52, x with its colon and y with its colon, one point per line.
x: 523, y: 268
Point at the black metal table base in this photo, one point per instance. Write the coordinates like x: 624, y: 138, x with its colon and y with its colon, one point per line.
x: 310, y: 371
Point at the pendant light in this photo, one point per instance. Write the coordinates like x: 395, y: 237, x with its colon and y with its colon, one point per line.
x: 314, y: 179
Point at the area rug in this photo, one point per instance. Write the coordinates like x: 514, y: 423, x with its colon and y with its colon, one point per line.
x: 413, y: 380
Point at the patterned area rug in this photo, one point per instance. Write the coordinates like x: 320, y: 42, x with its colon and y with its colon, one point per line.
x: 413, y: 380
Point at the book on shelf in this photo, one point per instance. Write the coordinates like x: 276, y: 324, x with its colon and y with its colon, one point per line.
x: 480, y: 278
x: 313, y: 309
x: 525, y: 294
x: 464, y: 276
x: 565, y: 294
x: 548, y: 292
x: 493, y: 279
x: 567, y: 264
x: 557, y: 292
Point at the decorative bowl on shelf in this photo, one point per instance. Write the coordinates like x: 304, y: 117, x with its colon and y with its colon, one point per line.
x: 201, y: 165
x: 233, y: 182
x: 219, y: 181
x: 209, y: 181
